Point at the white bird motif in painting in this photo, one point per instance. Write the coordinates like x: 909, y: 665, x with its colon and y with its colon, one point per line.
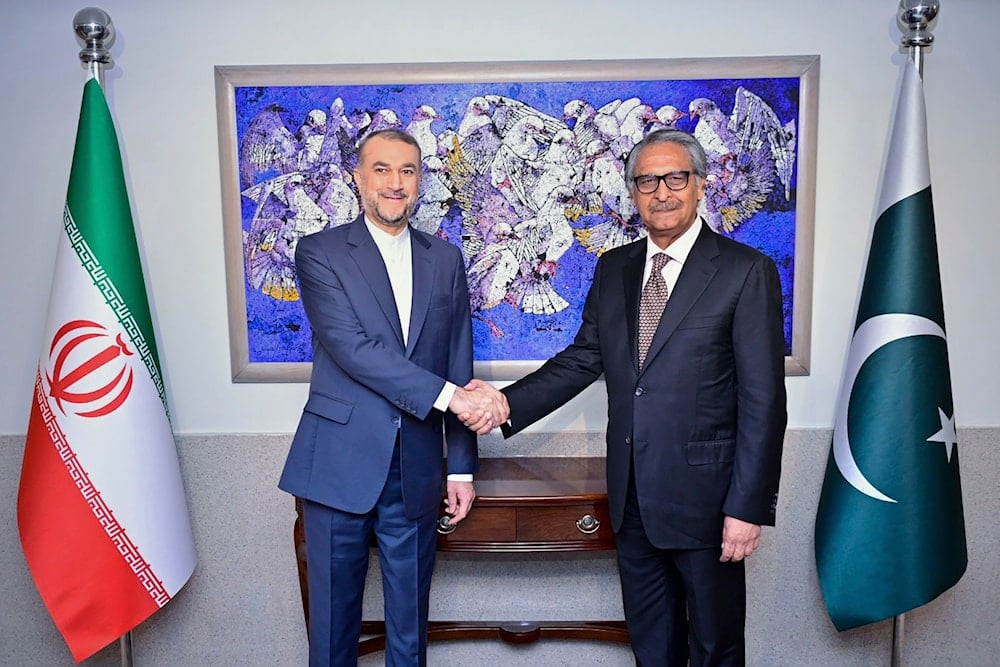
x: 477, y: 114
x: 579, y: 116
x: 516, y: 263
x: 267, y: 145
x: 747, y: 152
x: 666, y: 117
x: 543, y: 239
x: 310, y: 137
x: 515, y: 166
x: 511, y: 175
x: 561, y: 165
x: 269, y: 252
x: 608, y: 183
x: 339, y: 137
x: 435, y: 196
x: 338, y: 200
x: 478, y: 137
x: 383, y: 119
x: 507, y: 111
x: 755, y: 123
x: 285, y: 213
x: 632, y: 128
x: 419, y: 128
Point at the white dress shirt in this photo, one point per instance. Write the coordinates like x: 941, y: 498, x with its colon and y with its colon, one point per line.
x: 678, y: 252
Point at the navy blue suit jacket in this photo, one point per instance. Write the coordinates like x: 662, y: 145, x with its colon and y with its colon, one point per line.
x: 705, y: 417
x: 366, y: 385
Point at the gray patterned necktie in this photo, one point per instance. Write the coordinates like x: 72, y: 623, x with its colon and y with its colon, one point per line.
x: 651, y: 304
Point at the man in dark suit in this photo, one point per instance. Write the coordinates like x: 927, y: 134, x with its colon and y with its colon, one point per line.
x: 392, y: 347
x: 696, y: 408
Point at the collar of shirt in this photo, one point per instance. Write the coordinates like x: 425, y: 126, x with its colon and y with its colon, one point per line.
x: 388, y: 244
x: 678, y: 252
x: 398, y: 260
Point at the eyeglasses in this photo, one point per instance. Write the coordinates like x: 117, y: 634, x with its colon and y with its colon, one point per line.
x: 648, y: 183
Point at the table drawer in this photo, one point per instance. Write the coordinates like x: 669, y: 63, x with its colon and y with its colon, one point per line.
x: 566, y: 523
x: 483, y: 524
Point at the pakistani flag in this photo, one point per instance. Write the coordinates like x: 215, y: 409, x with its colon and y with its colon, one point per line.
x: 101, y: 510
x: 890, y: 535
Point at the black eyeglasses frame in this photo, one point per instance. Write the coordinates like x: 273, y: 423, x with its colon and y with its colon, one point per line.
x: 664, y: 178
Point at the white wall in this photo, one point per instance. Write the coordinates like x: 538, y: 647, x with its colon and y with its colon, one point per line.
x: 161, y: 92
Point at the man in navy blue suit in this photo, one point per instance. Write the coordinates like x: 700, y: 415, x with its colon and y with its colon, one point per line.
x: 392, y: 351
x: 686, y: 327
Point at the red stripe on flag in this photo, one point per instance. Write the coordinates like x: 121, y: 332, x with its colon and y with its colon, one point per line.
x: 91, y: 591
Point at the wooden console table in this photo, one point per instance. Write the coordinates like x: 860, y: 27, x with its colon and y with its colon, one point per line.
x: 523, y: 505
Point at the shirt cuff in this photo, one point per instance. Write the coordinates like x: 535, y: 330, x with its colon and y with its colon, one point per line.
x: 460, y: 477
x: 444, y: 398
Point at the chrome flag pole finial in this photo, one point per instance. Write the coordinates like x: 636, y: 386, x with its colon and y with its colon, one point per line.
x: 93, y: 27
x: 916, y: 17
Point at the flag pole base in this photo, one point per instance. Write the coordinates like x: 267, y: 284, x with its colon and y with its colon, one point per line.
x: 125, y: 645
x: 898, y: 622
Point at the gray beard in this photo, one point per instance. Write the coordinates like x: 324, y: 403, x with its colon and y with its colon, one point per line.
x: 399, y: 221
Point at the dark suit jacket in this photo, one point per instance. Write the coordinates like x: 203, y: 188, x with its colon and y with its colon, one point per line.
x: 705, y: 417
x: 366, y: 386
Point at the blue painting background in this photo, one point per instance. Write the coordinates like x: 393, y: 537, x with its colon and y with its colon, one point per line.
x: 278, y: 331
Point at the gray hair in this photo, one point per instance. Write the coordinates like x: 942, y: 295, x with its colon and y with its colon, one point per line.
x: 699, y: 162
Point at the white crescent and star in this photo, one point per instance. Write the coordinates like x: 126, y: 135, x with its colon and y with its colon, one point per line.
x: 871, y: 336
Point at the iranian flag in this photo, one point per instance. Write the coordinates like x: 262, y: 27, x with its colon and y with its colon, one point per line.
x: 101, y: 511
x: 890, y: 533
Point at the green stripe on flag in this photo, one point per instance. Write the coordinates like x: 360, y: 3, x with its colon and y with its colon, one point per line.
x: 903, y: 274
x: 98, y: 206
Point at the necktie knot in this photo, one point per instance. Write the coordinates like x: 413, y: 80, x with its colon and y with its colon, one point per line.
x: 660, y: 260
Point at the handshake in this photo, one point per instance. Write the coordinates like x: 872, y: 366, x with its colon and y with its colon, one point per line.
x: 480, y: 406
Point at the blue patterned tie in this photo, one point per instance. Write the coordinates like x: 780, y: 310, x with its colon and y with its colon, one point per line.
x: 651, y: 304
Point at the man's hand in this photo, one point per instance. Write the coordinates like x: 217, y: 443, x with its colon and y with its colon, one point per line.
x: 480, y: 406
x: 739, y: 539
x: 499, y: 409
x: 459, y: 500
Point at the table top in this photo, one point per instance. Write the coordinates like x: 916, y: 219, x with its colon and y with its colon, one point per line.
x: 535, y: 478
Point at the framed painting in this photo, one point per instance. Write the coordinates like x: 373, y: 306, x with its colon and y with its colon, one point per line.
x: 522, y: 170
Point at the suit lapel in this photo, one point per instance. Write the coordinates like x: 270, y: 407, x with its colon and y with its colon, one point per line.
x: 632, y: 283
x: 698, y: 271
x: 423, y: 285
x: 372, y: 267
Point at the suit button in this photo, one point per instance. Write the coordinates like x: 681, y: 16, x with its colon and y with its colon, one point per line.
x: 395, y: 421
x: 639, y: 391
x: 628, y: 440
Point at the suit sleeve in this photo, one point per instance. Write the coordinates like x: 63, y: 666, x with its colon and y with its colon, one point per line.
x: 563, y: 376
x: 337, y: 327
x: 759, y: 350
x: 463, y: 455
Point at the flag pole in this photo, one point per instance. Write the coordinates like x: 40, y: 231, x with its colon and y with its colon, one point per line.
x: 915, y: 19
x: 93, y: 27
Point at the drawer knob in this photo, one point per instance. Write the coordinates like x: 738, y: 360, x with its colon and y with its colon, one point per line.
x: 444, y: 526
x: 587, y: 524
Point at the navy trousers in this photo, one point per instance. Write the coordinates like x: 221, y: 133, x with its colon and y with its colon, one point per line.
x: 337, y: 550
x: 680, y: 604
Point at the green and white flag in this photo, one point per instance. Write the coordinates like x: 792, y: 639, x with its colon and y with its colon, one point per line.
x: 890, y: 534
x: 101, y: 510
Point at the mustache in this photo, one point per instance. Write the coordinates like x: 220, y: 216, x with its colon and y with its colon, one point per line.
x: 669, y: 205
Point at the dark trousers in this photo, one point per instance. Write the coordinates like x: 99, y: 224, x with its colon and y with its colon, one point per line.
x: 337, y: 549
x: 680, y: 604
